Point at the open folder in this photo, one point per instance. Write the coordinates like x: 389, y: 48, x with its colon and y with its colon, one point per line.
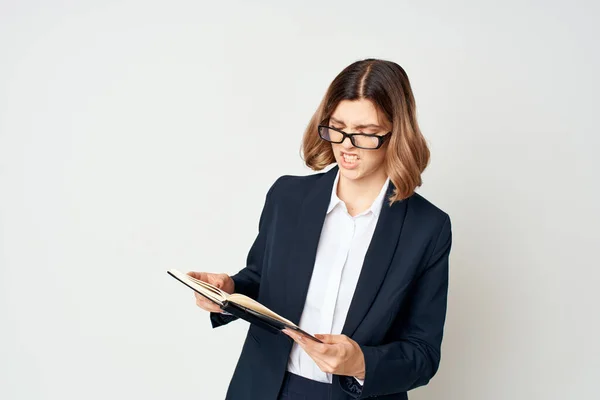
x: 239, y: 305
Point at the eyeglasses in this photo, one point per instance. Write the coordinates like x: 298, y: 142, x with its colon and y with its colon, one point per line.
x: 361, y: 140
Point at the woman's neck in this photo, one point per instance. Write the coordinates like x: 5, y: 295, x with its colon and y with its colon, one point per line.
x: 359, y: 194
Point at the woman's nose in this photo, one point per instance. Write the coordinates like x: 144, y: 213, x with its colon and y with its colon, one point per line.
x: 347, y: 143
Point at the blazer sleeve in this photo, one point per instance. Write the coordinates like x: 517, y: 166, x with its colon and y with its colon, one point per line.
x: 412, y: 356
x: 247, y: 280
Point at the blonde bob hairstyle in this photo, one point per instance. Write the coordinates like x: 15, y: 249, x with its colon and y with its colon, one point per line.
x: 386, y: 85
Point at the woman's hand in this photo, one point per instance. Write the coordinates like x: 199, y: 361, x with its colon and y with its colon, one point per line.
x: 338, y: 354
x: 222, y: 281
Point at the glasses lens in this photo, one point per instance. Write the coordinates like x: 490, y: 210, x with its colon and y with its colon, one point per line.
x: 363, y: 142
x: 330, y: 135
x: 366, y: 142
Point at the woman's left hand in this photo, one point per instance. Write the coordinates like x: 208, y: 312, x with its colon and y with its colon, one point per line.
x: 338, y: 354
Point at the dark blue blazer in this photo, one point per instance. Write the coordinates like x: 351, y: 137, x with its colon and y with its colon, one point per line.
x: 398, y: 310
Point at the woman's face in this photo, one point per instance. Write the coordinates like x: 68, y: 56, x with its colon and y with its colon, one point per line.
x: 359, y: 116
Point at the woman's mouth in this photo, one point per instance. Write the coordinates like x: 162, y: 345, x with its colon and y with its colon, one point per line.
x: 349, y: 160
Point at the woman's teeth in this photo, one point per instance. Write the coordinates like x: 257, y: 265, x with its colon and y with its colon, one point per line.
x: 349, y: 159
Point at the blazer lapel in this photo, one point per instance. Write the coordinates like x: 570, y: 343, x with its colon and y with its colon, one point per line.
x: 377, y: 261
x: 305, y: 241
x: 304, y: 250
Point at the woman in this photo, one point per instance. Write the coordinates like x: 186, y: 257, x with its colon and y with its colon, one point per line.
x: 352, y: 255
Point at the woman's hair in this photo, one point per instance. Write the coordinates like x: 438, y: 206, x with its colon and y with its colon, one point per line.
x: 386, y: 85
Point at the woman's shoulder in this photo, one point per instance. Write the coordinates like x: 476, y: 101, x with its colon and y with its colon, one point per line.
x: 426, y: 212
x: 423, y: 205
x: 293, y: 187
x: 297, y: 181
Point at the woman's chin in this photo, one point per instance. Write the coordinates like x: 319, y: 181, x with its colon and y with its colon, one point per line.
x: 350, y: 173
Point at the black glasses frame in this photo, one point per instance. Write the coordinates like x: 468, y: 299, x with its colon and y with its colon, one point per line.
x: 351, y: 136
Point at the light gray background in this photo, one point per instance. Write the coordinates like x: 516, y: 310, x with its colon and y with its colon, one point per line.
x: 138, y: 136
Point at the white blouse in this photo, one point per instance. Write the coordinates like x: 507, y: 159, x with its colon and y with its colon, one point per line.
x: 342, y: 247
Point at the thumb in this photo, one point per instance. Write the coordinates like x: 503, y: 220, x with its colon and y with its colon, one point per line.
x: 201, y: 276
x: 197, y: 275
x: 217, y: 280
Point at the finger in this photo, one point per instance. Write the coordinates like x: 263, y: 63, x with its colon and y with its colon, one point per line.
x: 214, y: 279
x: 328, y: 360
x: 206, y: 304
x: 309, y: 345
x: 217, y: 283
x: 304, y: 336
x: 290, y: 334
x: 302, y: 342
x: 219, y: 280
x: 202, y: 301
x: 210, y: 307
x: 198, y: 275
x: 331, y: 339
x: 298, y: 337
x: 328, y: 355
x: 324, y: 363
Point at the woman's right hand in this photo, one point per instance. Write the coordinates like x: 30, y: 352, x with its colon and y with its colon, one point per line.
x: 222, y: 281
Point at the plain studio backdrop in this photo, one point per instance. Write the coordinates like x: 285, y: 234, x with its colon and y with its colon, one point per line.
x: 139, y: 136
